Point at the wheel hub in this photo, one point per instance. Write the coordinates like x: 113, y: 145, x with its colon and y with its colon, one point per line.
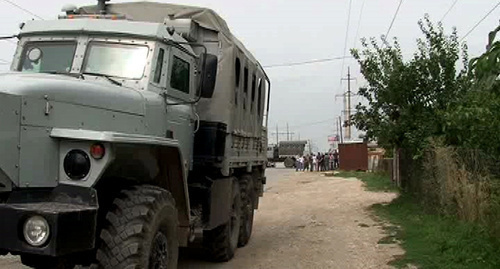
x: 159, y: 252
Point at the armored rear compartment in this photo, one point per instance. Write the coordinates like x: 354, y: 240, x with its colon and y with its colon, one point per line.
x: 233, y: 122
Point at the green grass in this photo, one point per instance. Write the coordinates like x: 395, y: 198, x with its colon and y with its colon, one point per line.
x: 379, y: 182
x: 436, y: 242
x: 431, y: 241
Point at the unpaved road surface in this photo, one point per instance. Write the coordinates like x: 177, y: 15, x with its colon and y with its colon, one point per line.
x: 306, y: 220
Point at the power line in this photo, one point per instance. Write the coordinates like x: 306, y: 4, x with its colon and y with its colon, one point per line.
x: 359, y: 23
x: 479, y: 22
x: 21, y: 8
x: 308, y: 62
x: 392, y: 22
x: 449, y: 9
x: 314, y: 123
x: 346, y: 38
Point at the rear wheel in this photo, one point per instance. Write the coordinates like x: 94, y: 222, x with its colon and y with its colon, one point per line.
x: 247, y: 209
x: 140, y: 230
x: 221, y: 242
x: 289, y: 162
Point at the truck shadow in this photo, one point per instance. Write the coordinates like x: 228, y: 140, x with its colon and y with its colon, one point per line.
x: 195, y: 257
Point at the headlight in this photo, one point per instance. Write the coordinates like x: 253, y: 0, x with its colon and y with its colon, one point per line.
x: 36, y: 231
x: 76, y: 164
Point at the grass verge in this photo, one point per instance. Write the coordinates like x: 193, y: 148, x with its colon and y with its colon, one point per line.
x: 432, y: 241
x: 373, y: 181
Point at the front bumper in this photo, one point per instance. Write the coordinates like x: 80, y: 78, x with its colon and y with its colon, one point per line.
x: 70, y: 211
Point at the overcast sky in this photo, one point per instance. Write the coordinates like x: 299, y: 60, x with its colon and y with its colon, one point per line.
x: 285, y: 31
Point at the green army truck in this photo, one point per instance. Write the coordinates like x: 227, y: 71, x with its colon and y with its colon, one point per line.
x: 127, y: 131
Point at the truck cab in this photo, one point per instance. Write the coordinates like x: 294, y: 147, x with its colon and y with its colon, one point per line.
x: 107, y: 141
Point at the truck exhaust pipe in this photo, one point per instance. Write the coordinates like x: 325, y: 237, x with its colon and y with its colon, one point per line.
x: 101, y: 6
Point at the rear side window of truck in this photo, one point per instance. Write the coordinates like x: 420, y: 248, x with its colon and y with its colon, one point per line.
x: 179, y: 78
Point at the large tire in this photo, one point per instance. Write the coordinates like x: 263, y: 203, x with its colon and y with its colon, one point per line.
x: 221, y: 243
x: 140, y: 231
x: 289, y: 162
x: 247, y: 209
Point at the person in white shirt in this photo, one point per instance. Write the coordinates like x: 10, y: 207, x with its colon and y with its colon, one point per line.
x: 301, y: 163
x: 297, y: 163
x: 315, y: 162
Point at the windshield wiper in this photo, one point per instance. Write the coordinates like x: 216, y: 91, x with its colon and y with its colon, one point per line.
x: 75, y: 75
x: 110, y: 79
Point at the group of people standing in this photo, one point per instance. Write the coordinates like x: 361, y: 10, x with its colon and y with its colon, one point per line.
x: 317, y: 162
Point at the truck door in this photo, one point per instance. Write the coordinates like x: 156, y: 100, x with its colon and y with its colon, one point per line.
x: 181, y: 92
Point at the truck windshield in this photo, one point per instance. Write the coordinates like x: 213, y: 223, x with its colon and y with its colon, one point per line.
x: 116, y: 60
x: 48, y: 57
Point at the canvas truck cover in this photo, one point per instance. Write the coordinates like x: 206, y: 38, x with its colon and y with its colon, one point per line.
x: 291, y: 148
x: 226, y: 46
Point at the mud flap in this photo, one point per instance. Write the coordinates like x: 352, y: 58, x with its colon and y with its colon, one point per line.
x: 220, y: 202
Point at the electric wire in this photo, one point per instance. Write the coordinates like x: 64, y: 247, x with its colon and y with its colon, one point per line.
x: 392, y: 22
x: 480, y: 21
x: 359, y: 23
x: 449, y: 9
x: 308, y: 62
x: 313, y: 123
x: 22, y: 8
x: 345, y: 42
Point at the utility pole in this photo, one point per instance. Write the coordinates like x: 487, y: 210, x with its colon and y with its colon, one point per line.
x: 277, y: 135
x: 337, y: 125
x: 340, y: 125
x: 347, y: 104
x: 287, y: 133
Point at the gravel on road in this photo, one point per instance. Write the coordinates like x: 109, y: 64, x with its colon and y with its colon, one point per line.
x: 306, y: 220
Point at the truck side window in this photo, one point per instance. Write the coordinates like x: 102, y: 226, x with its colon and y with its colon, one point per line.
x: 159, y: 66
x: 245, y: 87
x: 237, y: 71
x: 253, y: 90
x: 259, y: 98
x: 179, y: 78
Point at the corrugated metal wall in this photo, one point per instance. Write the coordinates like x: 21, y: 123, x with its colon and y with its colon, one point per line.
x: 353, y: 156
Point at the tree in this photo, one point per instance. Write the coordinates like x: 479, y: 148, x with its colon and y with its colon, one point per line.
x: 408, y: 100
x: 475, y: 121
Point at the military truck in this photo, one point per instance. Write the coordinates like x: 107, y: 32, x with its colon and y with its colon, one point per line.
x: 127, y: 131
x: 272, y: 155
x: 287, y: 151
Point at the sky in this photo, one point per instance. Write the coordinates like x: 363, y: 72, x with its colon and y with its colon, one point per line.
x: 287, y: 31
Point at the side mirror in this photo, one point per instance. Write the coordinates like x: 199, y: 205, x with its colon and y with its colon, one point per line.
x: 209, y: 63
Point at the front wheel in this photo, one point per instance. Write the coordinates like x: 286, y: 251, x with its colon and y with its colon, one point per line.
x: 140, y: 230
x: 221, y: 242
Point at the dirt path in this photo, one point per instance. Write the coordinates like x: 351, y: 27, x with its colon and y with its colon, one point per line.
x: 306, y: 220
x: 311, y: 221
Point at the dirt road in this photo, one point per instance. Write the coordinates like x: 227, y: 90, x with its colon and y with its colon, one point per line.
x: 306, y: 220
